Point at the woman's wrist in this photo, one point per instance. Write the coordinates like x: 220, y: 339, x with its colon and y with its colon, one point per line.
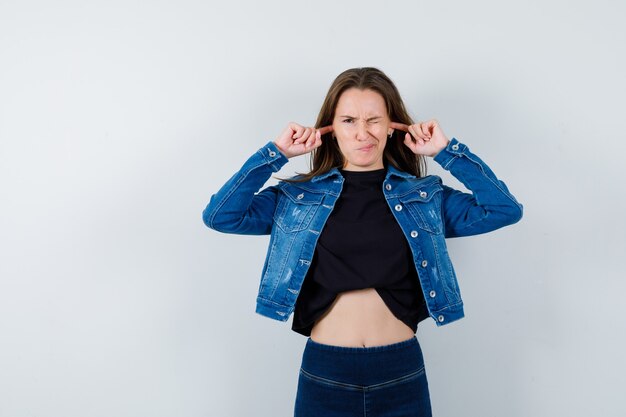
x: 437, y: 151
x: 285, y: 154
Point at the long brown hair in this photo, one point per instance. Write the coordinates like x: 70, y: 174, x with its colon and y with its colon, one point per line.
x: 328, y: 155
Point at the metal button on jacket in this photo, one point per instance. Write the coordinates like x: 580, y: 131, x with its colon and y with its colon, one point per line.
x: 423, y: 194
x: 398, y: 207
x: 272, y: 154
x: 440, y: 318
x: 300, y: 196
x: 455, y: 147
x: 414, y: 233
x: 388, y: 187
x: 424, y: 263
x: 432, y: 294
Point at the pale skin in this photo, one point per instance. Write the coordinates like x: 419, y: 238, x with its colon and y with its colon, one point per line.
x: 360, y: 318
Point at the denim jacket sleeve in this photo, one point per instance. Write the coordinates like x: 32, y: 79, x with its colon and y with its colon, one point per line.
x: 238, y: 207
x: 490, y: 206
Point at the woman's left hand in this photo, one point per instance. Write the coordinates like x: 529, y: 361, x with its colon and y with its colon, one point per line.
x: 423, y: 138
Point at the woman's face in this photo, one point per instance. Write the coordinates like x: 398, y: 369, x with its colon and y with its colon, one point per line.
x: 361, y: 126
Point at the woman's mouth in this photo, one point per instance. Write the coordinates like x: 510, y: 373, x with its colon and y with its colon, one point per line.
x: 367, y: 148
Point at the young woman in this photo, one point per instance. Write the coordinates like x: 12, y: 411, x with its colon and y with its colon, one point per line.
x: 357, y: 245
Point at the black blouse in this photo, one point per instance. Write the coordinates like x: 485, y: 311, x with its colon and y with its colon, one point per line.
x: 361, y: 246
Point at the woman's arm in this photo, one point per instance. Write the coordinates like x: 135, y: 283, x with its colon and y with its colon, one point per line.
x: 490, y: 206
x: 238, y: 207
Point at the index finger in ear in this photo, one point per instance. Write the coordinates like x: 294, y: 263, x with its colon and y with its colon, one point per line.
x: 326, y: 129
x: 399, y: 126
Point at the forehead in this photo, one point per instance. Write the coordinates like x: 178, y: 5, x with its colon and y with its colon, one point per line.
x: 361, y: 101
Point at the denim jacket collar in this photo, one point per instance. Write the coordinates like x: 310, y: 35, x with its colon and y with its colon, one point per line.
x: 332, y: 173
x: 391, y: 171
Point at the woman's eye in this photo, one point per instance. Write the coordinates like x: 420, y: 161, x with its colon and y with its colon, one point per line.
x: 348, y: 120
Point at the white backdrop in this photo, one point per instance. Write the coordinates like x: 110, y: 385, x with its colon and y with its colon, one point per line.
x: 119, y: 119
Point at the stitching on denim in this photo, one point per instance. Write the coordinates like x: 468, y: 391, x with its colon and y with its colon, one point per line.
x: 232, y: 190
x: 270, y: 263
x: 318, y: 196
x: 426, y: 181
x: 273, y: 303
x: 282, y: 267
x: 454, y: 288
x: 449, y: 306
x: 495, y: 183
x: 303, y: 186
x: 396, y: 381
x: 364, y: 404
x: 357, y: 387
x: 450, y: 161
x: 421, y: 219
x: 446, y: 284
x: 331, y: 382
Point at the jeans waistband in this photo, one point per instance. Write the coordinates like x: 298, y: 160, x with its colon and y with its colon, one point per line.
x: 362, y: 365
x: 312, y: 344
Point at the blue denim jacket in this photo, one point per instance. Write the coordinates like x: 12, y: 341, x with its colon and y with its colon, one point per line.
x: 294, y: 214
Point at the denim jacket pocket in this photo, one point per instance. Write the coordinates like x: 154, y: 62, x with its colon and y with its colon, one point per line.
x: 424, y: 205
x: 296, y: 207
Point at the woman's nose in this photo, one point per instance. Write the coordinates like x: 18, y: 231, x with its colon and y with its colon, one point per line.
x: 362, y: 133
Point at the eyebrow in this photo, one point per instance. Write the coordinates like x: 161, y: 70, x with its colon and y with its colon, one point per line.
x: 352, y: 117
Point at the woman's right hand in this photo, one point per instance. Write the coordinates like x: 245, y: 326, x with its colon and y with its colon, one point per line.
x: 297, y: 140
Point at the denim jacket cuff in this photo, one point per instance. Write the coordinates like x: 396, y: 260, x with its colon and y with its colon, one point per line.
x: 273, y: 156
x: 447, y: 155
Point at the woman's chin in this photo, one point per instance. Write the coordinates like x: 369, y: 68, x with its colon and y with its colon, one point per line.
x: 365, y: 165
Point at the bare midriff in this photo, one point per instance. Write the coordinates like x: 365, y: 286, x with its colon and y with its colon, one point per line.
x: 359, y: 318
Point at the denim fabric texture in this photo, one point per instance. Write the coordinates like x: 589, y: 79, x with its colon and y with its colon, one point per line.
x: 293, y: 214
x: 375, y: 381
